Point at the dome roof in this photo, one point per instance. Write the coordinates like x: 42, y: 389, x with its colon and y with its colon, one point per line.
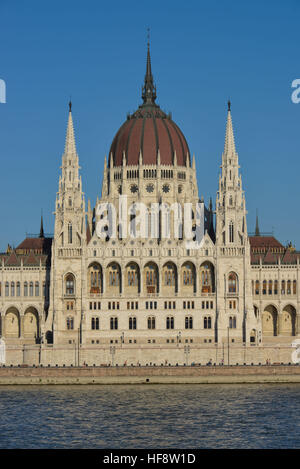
x: 149, y: 130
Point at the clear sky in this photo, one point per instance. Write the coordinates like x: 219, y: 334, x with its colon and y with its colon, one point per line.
x: 202, y: 52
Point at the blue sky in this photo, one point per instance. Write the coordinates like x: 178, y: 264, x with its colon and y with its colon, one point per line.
x: 203, y: 52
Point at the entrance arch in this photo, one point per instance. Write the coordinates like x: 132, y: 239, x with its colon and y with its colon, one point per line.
x: 30, y: 324
x: 270, y: 321
x: 12, y: 323
x: 288, y: 321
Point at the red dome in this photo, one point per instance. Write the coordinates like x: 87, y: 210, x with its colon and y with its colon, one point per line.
x: 148, y: 130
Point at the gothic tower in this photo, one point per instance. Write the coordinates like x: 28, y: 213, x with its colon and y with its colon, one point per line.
x: 234, y: 301
x: 68, y: 247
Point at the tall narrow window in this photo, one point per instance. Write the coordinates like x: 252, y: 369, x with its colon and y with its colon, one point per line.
x: 12, y: 288
x: 232, y: 283
x: 132, y: 323
x: 231, y: 237
x: 270, y: 287
x: 6, y: 289
x: 207, y: 322
x: 170, y: 322
x: 70, y: 323
x: 25, y: 289
x: 31, y: 289
x: 151, y: 322
x: 70, y: 284
x: 37, y: 289
x: 189, y: 322
x: 114, y: 323
x: 70, y: 233
x: 18, y: 289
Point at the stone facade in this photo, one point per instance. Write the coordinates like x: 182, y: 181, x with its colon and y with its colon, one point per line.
x: 97, y: 294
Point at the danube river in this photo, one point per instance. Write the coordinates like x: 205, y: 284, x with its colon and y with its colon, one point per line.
x: 150, y: 416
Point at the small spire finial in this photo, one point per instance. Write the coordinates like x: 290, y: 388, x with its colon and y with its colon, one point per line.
x: 70, y: 105
x: 148, y: 37
x: 229, y: 104
x: 257, y: 232
x: 42, y: 226
x: 148, y: 90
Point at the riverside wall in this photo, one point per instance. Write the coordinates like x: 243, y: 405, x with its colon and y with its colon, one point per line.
x: 25, y: 375
x: 48, y: 355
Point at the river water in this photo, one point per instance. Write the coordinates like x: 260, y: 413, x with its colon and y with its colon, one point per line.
x: 150, y: 416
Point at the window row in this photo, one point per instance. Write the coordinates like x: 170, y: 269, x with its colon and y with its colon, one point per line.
x: 28, y: 289
x: 153, y: 279
x: 151, y: 322
x: 271, y: 287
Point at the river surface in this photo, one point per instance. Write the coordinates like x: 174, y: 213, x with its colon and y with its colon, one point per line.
x: 150, y: 416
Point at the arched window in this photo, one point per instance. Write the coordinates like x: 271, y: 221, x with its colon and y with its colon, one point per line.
x: 275, y: 287
x: 207, y: 276
x: 6, y: 289
x: 151, y: 322
x: 95, y: 323
x: 70, y: 233
x: 256, y: 287
x: 270, y: 287
x: 207, y: 322
x: 283, y: 287
x: 114, y: 276
x: 132, y: 323
x: 70, y: 201
x: 288, y: 287
x: 12, y: 288
x: 37, y: 289
x: 232, y: 283
x: 25, y: 289
x: 188, y: 275
x: 114, y: 323
x: 231, y: 230
x: 189, y: 322
x: 95, y: 278
x: 70, y: 284
x: 264, y: 291
x: 70, y: 322
x: 294, y: 287
x: 232, y: 322
x: 170, y: 275
x: 31, y: 289
x: 170, y: 322
x: 18, y: 289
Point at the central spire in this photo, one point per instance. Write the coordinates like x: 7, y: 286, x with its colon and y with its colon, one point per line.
x: 149, y: 90
x: 229, y: 149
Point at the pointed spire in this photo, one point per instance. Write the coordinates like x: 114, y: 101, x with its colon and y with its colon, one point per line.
x: 70, y: 146
x: 149, y: 90
x: 257, y: 232
x: 229, y: 148
x: 42, y: 235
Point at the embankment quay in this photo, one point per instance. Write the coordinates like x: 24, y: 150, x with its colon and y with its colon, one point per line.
x: 149, y: 375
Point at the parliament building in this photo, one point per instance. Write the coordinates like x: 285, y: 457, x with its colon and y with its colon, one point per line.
x: 84, y: 299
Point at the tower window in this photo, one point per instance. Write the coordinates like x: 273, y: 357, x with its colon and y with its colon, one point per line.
x: 231, y: 232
